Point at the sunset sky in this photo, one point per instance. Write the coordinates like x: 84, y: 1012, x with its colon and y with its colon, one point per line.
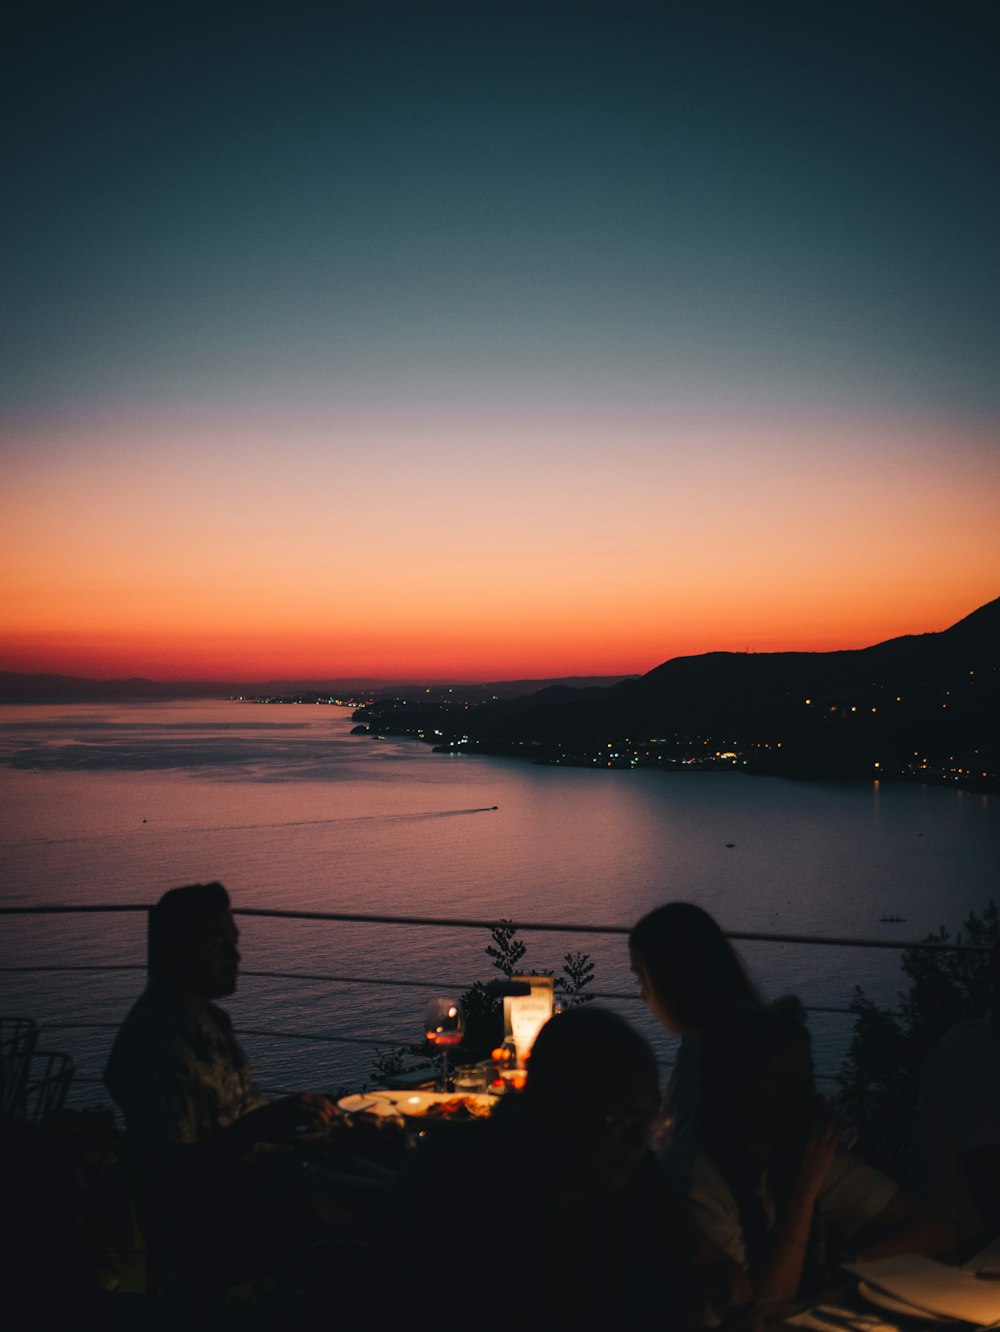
x: 494, y: 340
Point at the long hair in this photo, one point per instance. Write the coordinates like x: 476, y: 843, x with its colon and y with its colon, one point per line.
x: 693, y: 969
x: 732, y: 1056
x: 174, y: 923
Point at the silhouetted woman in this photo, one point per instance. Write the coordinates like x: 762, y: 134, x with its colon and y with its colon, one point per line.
x: 764, y: 1172
x: 693, y: 981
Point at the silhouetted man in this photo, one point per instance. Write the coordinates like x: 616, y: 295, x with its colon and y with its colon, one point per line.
x: 218, y: 1208
x: 176, y: 1068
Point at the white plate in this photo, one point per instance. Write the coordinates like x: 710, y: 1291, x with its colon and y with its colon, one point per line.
x: 884, y: 1301
x: 404, y: 1104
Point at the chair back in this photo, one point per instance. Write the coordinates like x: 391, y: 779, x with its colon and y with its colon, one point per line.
x: 50, y: 1073
x: 18, y: 1036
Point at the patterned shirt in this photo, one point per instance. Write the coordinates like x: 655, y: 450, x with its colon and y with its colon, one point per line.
x: 178, y: 1077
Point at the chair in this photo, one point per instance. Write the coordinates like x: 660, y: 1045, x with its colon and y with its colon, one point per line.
x: 48, y: 1077
x: 17, y: 1045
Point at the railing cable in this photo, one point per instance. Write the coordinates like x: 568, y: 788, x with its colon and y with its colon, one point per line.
x: 461, y: 922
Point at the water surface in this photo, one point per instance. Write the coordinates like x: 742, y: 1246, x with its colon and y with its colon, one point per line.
x: 115, y: 804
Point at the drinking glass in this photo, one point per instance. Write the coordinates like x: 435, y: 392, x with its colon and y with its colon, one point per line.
x: 512, y: 1071
x: 444, y: 1024
x: 472, y: 1079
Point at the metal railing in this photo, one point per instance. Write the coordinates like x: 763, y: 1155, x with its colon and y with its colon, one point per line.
x: 430, y: 922
x: 464, y: 922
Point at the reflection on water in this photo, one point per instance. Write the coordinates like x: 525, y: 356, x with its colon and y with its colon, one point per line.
x: 116, y: 804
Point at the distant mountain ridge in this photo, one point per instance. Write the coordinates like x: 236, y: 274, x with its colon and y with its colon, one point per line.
x: 18, y: 687
x: 925, y: 706
x: 721, y: 687
x: 925, y: 699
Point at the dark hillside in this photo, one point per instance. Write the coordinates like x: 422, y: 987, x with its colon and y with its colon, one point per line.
x: 916, y: 705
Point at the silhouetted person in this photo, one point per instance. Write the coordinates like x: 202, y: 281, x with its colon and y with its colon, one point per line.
x: 693, y: 981
x: 176, y: 1068
x: 217, y: 1208
x: 553, y: 1211
x: 957, y: 1135
x: 764, y: 1174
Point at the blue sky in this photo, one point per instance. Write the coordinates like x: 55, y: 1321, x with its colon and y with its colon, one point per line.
x: 504, y: 201
x: 439, y: 235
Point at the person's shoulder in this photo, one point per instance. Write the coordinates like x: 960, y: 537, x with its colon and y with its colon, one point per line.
x: 699, y: 1187
x: 977, y: 1031
x: 147, y: 1013
x: 846, y: 1165
x: 156, y: 1026
x: 855, y: 1194
x: 852, y: 1185
x: 966, y: 1040
x: 147, y: 1040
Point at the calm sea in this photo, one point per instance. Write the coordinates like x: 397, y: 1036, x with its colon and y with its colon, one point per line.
x: 106, y: 804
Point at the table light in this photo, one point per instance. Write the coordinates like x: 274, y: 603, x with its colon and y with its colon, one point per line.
x: 525, y: 1015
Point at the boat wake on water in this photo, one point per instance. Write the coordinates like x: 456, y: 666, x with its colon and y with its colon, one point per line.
x: 146, y: 827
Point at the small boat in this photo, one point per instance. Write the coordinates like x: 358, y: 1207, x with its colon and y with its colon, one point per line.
x: 892, y: 920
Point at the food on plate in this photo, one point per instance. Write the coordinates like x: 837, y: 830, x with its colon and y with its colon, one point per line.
x: 459, y: 1107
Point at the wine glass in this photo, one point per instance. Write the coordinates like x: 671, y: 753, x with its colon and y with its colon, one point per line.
x: 444, y: 1023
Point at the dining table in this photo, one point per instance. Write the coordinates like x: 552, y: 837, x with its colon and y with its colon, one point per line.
x: 416, y: 1109
x: 904, y: 1293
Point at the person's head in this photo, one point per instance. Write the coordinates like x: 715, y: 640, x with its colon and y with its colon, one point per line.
x: 757, y: 1080
x: 192, y: 940
x: 594, y: 1079
x: 689, y: 972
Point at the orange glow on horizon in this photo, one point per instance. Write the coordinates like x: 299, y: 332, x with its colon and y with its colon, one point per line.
x: 482, y: 550
x: 417, y: 652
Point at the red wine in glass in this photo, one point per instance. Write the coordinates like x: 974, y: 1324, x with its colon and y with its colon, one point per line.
x: 444, y: 1026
